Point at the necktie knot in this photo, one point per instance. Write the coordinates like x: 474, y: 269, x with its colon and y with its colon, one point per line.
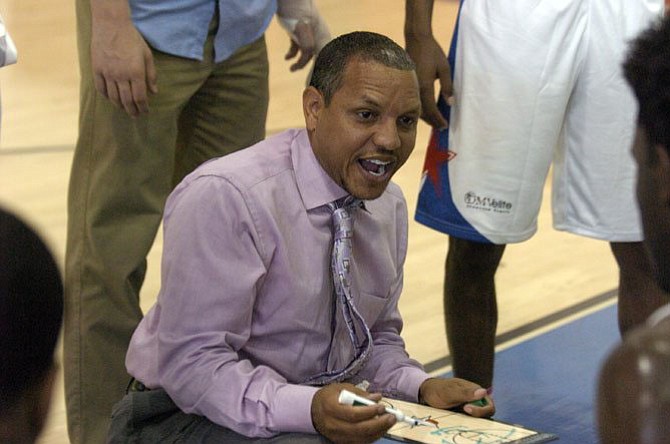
x: 345, y: 204
x: 342, y: 216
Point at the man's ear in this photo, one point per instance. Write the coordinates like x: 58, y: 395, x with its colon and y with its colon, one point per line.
x: 312, y: 105
x: 663, y: 157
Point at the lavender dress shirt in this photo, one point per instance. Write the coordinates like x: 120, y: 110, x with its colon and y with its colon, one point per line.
x: 245, y: 307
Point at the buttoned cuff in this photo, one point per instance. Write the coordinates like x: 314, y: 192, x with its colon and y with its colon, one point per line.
x: 411, y: 382
x: 293, y: 409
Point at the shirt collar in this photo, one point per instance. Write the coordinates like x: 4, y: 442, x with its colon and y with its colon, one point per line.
x: 315, y: 185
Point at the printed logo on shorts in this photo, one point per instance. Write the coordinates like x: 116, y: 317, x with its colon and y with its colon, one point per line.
x: 477, y: 202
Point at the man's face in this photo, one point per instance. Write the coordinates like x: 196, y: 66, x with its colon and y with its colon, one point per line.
x: 368, y: 130
x: 653, y: 195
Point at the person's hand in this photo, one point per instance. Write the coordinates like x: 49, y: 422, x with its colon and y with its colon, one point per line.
x: 431, y: 63
x: 307, y: 38
x: 453, y: 392
x: 303, y: 43
x: 308, y: 31
x: 346, y: 423
x: 123, y: 66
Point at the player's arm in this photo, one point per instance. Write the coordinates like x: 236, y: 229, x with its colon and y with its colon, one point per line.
x: 431, y: 61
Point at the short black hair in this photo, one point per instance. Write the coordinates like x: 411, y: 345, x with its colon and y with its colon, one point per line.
x: 31, y: 309
x: 647, y: 70
x: 333, y: 58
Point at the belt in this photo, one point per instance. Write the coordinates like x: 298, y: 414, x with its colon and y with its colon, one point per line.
x: 136, y: 386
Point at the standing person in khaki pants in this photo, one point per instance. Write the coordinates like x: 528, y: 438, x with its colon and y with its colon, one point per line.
x: 164, y: 86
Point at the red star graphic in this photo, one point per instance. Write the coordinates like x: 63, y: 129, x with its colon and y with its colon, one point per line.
x: 435, y: 157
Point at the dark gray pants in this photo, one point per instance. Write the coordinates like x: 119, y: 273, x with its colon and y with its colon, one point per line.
x: 152, y: 417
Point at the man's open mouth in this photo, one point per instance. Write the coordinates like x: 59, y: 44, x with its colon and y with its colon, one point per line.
x: 375, y: 167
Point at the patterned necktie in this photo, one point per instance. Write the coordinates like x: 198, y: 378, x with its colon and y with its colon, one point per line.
x: 348, y: 322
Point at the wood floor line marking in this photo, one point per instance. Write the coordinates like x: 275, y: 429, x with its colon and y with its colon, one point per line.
x: 36, y: 150
x: 65, y: 148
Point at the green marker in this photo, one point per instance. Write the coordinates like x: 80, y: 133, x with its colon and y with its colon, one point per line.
x: 479, y: 403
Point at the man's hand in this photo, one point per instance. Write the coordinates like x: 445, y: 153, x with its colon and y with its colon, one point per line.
x: 308, y: 31
x: 302, y: 42
x: 346, y: 423
x: 123, y: 66
x: 431, y: 63
x: 453, y: 392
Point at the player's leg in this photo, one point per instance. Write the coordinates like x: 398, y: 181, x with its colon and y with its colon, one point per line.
x: 639, y: 295
x: 470, y: 307
x: 594, y: 183
x: 484, y: 177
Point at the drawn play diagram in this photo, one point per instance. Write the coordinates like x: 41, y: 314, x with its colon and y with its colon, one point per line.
x: 458, y: 428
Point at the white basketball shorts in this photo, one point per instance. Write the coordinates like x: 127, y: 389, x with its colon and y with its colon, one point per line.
x: 536, y: 82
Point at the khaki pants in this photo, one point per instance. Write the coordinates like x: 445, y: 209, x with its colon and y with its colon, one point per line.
x: 122, y: 172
